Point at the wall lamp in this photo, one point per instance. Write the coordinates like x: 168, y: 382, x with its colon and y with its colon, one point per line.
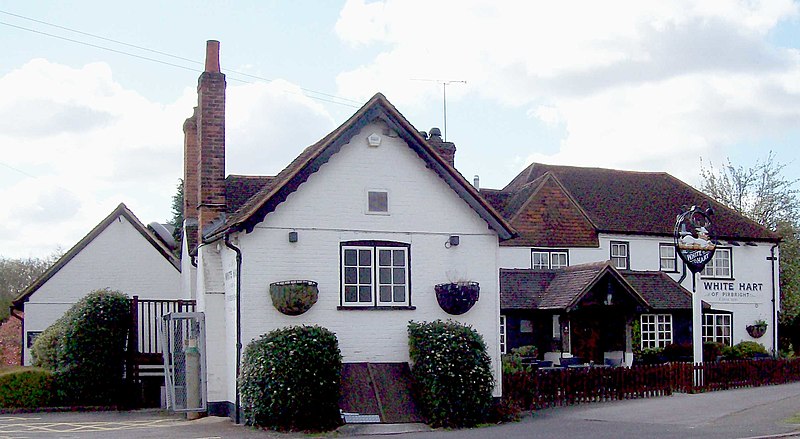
x: 292, y: 236
x: 452, y: 241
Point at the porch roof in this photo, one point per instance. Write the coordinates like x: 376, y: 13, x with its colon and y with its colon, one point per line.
x: 528, y: 289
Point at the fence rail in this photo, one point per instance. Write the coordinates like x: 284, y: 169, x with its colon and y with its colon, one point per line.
x: 147, y: 316
x: 556, y: 387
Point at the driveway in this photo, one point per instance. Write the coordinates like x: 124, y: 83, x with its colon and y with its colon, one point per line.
x: 743, y: 413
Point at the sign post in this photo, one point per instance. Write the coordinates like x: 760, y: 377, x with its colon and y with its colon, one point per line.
x: 695, y: 244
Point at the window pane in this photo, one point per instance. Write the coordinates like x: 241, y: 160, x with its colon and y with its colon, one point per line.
x: 400, y: 294
x: 350, y: 276
x: 386, y: 294
x: 540, y: 261
x: 385, y: 276
x: 365, y: 294
x: 558, y: 260
x: 378, y: 201
x: 399, y: 258
x: 365, y: 257
x: 384, y: 258
x: 350, y: 294
x: 349, y: 257
x: 365, y: 275
x: 399, y: 276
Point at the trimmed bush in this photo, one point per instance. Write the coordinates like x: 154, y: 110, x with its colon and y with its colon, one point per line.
x: 91, y: 353
x: 44, y: 351
x: 27, y: 387
x: 745, y: 350
x: 513, y: 361
x: 290, y: 380
x: 452, y: 373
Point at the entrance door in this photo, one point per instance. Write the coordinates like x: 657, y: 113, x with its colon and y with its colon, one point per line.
x: 596, y: 331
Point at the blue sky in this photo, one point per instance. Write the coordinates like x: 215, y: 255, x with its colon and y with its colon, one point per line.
x: 648, y: 86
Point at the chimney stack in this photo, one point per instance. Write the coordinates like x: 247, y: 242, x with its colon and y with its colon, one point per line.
x: 190, y: 193
x: 447, y: 150
x: 210, y: 126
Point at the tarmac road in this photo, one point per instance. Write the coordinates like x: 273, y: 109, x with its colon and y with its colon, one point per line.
x: 743, y: 413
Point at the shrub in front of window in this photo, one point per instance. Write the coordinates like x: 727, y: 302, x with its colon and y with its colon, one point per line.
x: 520, y: 359
x: 91, y: 353
x: 745, y: 350
x: 44, y: 351
x: 28, y: 387
x: 678, y: 352
x: 290, y: 379
x: 452, y: 373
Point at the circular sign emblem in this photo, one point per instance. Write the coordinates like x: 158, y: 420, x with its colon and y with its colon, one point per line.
x: 694, y: 238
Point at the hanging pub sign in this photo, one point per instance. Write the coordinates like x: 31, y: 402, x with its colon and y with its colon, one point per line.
x: 694, y: 238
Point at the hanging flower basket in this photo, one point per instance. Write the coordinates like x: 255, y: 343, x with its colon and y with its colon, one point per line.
x: 457, y: 297
x: 757, y: 331
x: 293, y: 297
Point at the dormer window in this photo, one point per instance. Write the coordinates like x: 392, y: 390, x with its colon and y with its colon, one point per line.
x: 378, y: 201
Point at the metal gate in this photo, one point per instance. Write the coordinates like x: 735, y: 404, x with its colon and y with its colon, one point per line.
x: 183, y: 336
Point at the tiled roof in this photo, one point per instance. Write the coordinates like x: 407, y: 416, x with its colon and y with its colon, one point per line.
x: 121, y: 210
x: 526, y: 289
x: 543, y: 214
x: 312, y: 158
x: 624, y: 202
x: 659, y: 290
x: 240, y: 188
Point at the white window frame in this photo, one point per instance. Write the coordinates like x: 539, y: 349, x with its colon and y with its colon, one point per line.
x: 718, y: 327
x: 617, y: 255
x: 721, y: 265
x: 549, y: 259
x: 672, y: 259
x: 656, y: 330
x: 374, y: 279
x: 368, y: 209
x: 503, y: 335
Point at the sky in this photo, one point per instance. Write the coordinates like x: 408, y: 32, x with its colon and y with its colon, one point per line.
x: 94, y: 93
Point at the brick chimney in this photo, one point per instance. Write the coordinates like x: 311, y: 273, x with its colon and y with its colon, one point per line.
x: 447, y: 150
x: 210, y: 126
x: 191, y: 154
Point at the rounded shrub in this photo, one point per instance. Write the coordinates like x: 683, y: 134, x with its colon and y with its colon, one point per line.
x: 452, y: 373
x: 28, y: 387
x: 745, y: 350
x: 91, y: 353
x: 44, y: 351
x: 291, y: 379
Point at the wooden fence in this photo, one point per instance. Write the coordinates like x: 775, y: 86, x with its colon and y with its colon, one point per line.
x: 566, y: 386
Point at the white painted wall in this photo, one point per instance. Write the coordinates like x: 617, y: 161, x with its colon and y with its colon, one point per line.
x: 119, y: 258
x: 329, y: 209
x: 750, y: 266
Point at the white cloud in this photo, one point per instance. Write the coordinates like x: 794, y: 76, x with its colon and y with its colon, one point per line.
x: 632, y: 83
x: 80, y: 144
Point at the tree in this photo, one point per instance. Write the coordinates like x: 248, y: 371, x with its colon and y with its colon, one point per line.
x: 18, y: 274
x: 764, y: 195
x: 177, y: 207
x: 759, y: 192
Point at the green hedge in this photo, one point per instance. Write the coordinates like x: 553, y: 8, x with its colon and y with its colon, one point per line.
x: 290, y: 379
x: 452, y: 373
x: 85, y: 349
x: 744, y: 350
x: 44, y: 351
x: 27, y: 387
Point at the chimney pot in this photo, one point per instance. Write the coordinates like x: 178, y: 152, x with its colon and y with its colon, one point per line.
x: 212, y: 56
x: 436, y: 132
